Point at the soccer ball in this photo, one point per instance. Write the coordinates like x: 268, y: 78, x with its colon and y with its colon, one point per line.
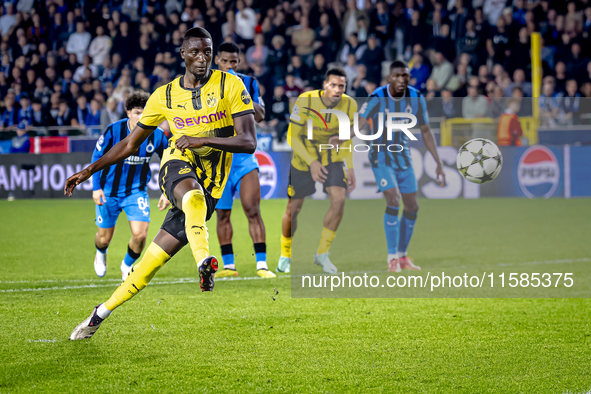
x: 479, y: 160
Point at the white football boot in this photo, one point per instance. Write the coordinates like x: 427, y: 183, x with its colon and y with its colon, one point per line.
x: 323, y: 261
x: 284, y: 264
x: 100, y: 263
x: 88, y: 327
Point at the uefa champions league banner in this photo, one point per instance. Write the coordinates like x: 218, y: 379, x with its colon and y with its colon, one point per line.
x: 530, y: 172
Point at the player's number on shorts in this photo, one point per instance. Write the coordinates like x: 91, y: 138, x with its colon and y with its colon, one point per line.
x: 143, y: 203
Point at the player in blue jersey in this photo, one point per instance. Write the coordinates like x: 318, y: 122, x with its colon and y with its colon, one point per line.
x: 243, y: 179
x: 123, y: 186
x: 394, y: 172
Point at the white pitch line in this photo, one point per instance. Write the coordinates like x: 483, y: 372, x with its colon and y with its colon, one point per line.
x: 195, y: 280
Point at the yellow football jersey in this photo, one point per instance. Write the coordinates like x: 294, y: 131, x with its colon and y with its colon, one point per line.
x: 208, y: 111
x: 309, y: 106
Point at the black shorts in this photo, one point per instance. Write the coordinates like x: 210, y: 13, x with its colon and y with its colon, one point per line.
x: 171, y: 173
x: 302, y: 185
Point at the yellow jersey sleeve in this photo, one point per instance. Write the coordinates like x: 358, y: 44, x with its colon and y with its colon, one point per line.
x: 297, y: 132
x: 239, y: 99
x: 152, y: 115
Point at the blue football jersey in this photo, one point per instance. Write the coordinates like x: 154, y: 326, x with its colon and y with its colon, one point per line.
x: 133, y: 174
x: 252, y: 86
x: 412, y: 102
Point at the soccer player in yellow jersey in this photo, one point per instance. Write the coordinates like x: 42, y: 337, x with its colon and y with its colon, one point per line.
x: 211, y: 116
x: 310, y: 164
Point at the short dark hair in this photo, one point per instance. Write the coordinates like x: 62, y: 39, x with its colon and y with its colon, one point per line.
x: 229, y: 47
x: 137, y: 99
x: 398, y: 64
x: 339, y: 72
x: 196, y: 32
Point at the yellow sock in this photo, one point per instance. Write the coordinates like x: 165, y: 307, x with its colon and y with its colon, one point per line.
x: 195, y: 210
x: 285, y: 246
x: 141, y: 274
x: 326, y: 238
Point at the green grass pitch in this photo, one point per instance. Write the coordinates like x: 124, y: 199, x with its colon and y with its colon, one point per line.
x: 173, y: 338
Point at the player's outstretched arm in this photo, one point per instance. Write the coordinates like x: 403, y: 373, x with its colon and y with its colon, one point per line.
x: 431, y: 145
x: 120, y: 151
x: 245, y: 140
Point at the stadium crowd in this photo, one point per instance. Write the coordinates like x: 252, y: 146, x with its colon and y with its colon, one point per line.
x: 72, y: 63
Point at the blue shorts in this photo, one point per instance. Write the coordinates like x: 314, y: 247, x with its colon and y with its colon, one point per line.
x: 136, y: 207
x: 233, y: 183
x: 389, y: 178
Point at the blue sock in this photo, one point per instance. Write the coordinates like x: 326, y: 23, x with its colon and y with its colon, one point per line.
x: 407, y: 226
x: 130, y: 257
x: 228, y: 256
x: 391, y: 229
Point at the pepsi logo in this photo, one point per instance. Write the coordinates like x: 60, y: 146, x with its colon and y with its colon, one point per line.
x: 267, y: 174
x: 538, y: 172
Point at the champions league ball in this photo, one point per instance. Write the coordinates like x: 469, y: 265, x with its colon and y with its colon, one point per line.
x: 479, y: 160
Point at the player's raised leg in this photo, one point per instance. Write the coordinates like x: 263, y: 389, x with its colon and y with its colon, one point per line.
x: 289, y: 225
x: 102, y: 239
x: 139, y: 233
x: 250, y: 196
x: 194, y: 206
x: 407, y: 226
x: 332, y: 219
x: 162, y: 248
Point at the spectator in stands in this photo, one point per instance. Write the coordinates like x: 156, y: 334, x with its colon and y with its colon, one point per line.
x: 109, y: 114
x: 303, y: 40
x: 65, y: 116
x: 278, y: 115
x: 9, y: 116
x: 360, y: 81
x: 130, y: 8
x: 444, y: 44
x: 292, y: 91
x: 571, y: 103
x: 549, y: 103
x: 277, y: 58
x: 100, y: 47
x: 442, y: 71
x: 415, y: 33
x: 40, y: 116
x: 25, y: 112
x: 525, y: 104
x: 519, y: 81
x: 353, y: 45
x: 20, y: 142
x: 475, y: 105
x: 78, y: 42
x: 419, y: 72
x: 326, y: 37
x: 372, y: 59
x: 351, y: 71
x: 246, y: 22
x: 382, y: 25
x: 560, y: 78
x: 449, y: 107
x: 82, y: 109
x: 519, y: 52
x: 257, y: 55
x: 41, y: 92
x: 577, y: 63
x: 8, y: 20
x: 93, y: 118
x: 298, y: 69
x: 497, y: 43
x: 498, y: 102
x: 317, y: 72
